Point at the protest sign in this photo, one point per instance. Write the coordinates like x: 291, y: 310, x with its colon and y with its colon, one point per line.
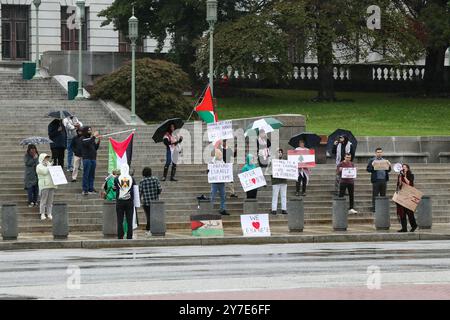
x: 408, y: 197
x: 349, y: 173
x: 222, y: 130
x: 57, y: 174
x: 285, y: 169
x: 381, y: 165
x: 305, y: 158
x: 220, y: 172
x: 252, y: 179
x: 255, y: 225
x: 206, y: 225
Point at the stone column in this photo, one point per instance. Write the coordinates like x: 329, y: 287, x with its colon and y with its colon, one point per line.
x: 340, y: 222
x: 296, y: 215
x: 60, y: 221
x: 157, y: 218
x: 382, y: 216
x: 9, y: 222
x: 250, y: 206
x: 109, y: 219
x: 424, y: 213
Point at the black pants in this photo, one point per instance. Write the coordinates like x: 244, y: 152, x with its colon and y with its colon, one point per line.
x: 147, y: 215
x: 351, y: 192
x: 58, y: 156
x: 303, y: 181
x: 124, y: 208
x: 378, y: 189
x: 252, y: 194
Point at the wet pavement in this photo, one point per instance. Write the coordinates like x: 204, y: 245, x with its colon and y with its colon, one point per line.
x: 369, y: 270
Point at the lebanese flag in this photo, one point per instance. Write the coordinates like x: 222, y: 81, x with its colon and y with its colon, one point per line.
x: 205, y: 109
x: 306, y: 158
x: 120, y: 152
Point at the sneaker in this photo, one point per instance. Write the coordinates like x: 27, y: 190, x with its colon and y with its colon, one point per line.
x: 413, y: 229
x: 297, y: 194
x: 284, y: 212
x: 352, y: 211
x: 69, y: 170
x: 74, y: 180
x: 234, y: 196
x: 31, y: 205
x: 92, y: 192
x: 224, y: 213
x: 148, y: 233
x: 303, y: 194
x: 273, y: 212
x: 49, y: 216
x: 84, y: 193
x: 43, y: 217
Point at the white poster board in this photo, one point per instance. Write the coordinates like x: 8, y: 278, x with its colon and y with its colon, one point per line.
x: 255, y: 225
x: 57, y: 174
x: 252, y: 179
x: 349, y: 173
x: 285, y: 169
x: 220, y: 172
x: 221, y: 130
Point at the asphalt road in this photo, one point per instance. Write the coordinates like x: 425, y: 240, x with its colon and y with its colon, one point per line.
x: 391, y: 270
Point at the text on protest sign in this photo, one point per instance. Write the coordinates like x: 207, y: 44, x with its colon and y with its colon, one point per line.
x: 255, y: 225
x: 305, y: 158
x: 252, y: 179
x: 380, y: 165
x: 57, y: 174
x: 408, y: 197
x: 285, y: 169
x: 220, y: 172
x: 349, y: 173
x: 222, y: 130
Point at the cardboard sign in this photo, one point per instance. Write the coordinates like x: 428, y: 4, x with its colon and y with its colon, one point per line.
x: 220, y: 172
x: 381, y: 165
x: 206, y: 225
x: 255, y: 225
x: 408, y: 197
x: 57, y: 174
x: 306, y: 158
x: 252, y: 179
x: 220, y: 130
x: 285, y: 169
x: 348, y: 173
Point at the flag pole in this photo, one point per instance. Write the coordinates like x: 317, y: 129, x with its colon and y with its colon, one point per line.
x: 116, y: 133
x: 198, y: 100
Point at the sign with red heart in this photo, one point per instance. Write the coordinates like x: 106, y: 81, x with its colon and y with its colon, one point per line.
x: 252, y: 179
x: 255, y: 225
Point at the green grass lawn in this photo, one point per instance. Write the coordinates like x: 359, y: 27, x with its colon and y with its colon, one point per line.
x: 371, y: 114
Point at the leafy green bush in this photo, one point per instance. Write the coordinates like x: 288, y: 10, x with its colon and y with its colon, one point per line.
x: 159, y: 89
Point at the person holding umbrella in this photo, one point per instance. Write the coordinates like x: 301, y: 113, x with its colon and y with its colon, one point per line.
x: 31, y: 179
x: 57, y: 133
x: 171, y: 142
x: 72, y: 124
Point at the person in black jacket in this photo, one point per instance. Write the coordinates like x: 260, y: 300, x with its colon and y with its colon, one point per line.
x: 124, y: 187
x: 171, y: 142
x: 89, y: 146
x: 379, y: 178
x: 57, y: 133
x: 76, y: 148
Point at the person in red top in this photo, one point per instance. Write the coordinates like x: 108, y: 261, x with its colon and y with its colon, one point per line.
x: 347, y: 183
x: 405, y: 177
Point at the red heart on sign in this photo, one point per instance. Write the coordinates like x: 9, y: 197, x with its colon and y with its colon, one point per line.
x: 255, y: 224
x: 254, y: 181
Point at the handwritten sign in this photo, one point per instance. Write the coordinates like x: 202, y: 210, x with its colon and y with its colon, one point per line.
x: 306, y: 158
x: 381, y: 165
x: 57, y: 174
x: 255, y: 225
x: 207, y: 225
x: 220, y: 173
x: 349, y: 173
x: 252, y: 179
x: 408, y: 197
x: 285, y: 169
x: 221, y: 130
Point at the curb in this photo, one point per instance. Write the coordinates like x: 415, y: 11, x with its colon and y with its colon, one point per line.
x: 237, y: 240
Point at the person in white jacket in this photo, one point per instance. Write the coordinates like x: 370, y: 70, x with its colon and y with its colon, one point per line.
x: 46, y: 186
x: 72, y: 124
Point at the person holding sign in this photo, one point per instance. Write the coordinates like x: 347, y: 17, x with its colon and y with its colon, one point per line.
x: 303, y: 174
x: 46, y: 186
x: 379, y: 169
x: 405, y: 177
x: 279, y: 185
x: 347, y: 180
x: 218, y: 158
x: 341, y: 147
x: 250, y: 165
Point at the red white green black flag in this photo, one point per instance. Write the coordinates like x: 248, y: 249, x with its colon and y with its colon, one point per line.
x: 205, y: 109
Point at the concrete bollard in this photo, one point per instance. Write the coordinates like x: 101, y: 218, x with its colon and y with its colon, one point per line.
x: 296, y: 215
x: 382, y: 216
x: 157, y: 218
x: 109, y: 219
x: 425, y: 213
x: 340, y: 222
x: 205, y: 207
x: 250, y: 206
x: 9, y: 222
x: 60, y: 221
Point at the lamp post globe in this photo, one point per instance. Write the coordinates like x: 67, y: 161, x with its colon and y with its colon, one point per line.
x: 37, y: 75
x: 80, y: 16
x: 133, y: 34
x: 211, y: 18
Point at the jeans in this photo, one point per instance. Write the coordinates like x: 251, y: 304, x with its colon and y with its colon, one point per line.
x: 351, y: 191
x: 124, y: 208
x: 33, y: 192
x: 221, y: 188
x: 89, y: 175
x: 276, y: 189
x: 69, y: 154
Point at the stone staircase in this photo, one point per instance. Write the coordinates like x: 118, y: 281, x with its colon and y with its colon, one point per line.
x: 23, y: 109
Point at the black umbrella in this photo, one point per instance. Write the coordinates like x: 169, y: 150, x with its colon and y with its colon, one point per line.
x: 158, y: 136
x: 312, y: 140
x: 61, y: 114
x: 336, y: 134
x: 35, y: 140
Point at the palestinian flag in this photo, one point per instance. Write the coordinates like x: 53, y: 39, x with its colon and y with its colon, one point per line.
x: 205, y: 109
x: 120, y: 152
